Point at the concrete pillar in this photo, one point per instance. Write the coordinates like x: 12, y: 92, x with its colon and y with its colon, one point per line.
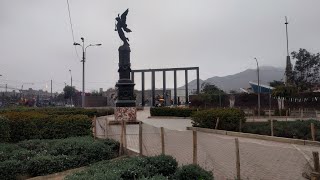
x: 186, y: 85
x: 164, y: 88
x: 198, y: 82
x: 142, y: 89
x: 153, y: 87
x: 175, y: 102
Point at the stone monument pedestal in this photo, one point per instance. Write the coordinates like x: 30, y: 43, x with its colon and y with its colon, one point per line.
x: 128, y: 114
x: 125, y: 109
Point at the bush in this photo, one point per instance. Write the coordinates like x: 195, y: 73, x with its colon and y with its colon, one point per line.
x: 156, y: 168
x: 11, y: 169
x: 34, y: 125
x: 229, y: 119
x: 40, y: 157
x: 192, y: 172
x: 167, y: 111
x: 289, y: 129
x: 4, y: 129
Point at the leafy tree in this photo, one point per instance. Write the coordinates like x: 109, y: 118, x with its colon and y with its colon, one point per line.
x: 276, y: 83
x: 210, y: 89
x: 68, y: 92
x: 96, y: 93
x: 284, y: 91
x: 306, y: 70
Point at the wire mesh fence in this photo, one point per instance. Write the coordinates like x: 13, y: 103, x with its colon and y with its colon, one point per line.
x: 259, y: 159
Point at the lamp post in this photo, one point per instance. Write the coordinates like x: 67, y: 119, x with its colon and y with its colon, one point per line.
x: 71, y: 88
x: 258, y: 87
x: 84, y: 49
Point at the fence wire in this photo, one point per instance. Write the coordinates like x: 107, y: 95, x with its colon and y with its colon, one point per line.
x: 259, y: 159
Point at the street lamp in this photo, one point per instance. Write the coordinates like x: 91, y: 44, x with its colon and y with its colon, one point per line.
x: 84, y: 50
x: 71, y: 88
x: 258, y: 87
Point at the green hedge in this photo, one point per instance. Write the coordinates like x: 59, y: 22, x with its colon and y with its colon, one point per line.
x: 63, y: 111
x: 289, y: 129
x: 229, y: 119
x: 192, y: 172
x: 155, y: 168
x: 35, y: 125
x: 168, y: 111
x: 4, y: 129
x: 40, y: 157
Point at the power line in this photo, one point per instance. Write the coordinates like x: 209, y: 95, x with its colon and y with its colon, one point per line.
x: 70, y: 21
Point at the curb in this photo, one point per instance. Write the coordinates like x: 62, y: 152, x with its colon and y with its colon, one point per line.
x: 257, y: 136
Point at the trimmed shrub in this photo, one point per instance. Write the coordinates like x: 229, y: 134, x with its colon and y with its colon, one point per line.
x: 229, y: 119
x: 4, y: 129
x: 34, y: 125
x: 11, y: 169
x: 289, y: 129
x: 192, y: 172
x: 152, y: 168
x: 167, y: 111
x: 40, y: 157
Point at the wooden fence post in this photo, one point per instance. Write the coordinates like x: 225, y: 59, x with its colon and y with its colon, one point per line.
x: 217, y: 123
x: 237, y: 159
x: 162, y: 140
x: 140, y: 138
x: 195, y: 147
x: 121, y: 140
x: 125, y: 134
x: 313, y: 132
x: 105, y: 130
x: 95, y: 127
x: 315, y: 175
x: 286, y: 115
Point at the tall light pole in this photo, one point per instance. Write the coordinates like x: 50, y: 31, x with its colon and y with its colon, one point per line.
x: 71, y: 88
x: 258, y: 87
x: 84, y: 49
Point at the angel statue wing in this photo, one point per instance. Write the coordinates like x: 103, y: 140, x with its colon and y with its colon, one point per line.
x: 123, y: 20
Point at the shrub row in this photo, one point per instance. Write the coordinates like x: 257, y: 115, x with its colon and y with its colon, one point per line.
x: 157, y: 167
x: 63, y: 111
x: 40, y: 157
x: 167, y: 111
x: 18, y: 126
x: 229, y: 119
x: 289, y: 129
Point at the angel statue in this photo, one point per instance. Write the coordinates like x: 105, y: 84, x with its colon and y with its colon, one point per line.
x: 121, y: 24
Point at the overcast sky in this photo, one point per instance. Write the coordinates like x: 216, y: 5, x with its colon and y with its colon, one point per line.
x: 220, y: 36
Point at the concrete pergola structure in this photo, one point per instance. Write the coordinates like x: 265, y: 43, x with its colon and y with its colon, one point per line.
x: 164, y: 70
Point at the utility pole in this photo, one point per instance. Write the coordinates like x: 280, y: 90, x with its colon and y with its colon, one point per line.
x: 258, y: 87
x: 288, y: 71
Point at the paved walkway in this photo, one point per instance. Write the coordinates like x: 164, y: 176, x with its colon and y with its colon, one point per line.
x: 260, y: 159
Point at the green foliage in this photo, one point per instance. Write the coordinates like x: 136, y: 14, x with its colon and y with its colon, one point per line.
x: 40, y: 157
x: 276, y: 83
x: 192, y: 172
x: 167, y: 111
x: 62, y: 111
x: 35, y: 125
x: 306, y: 70
x: 229, y: 119
x: 4, y: 129
x: 289, y: 129
x: 210, y: 89
x: 68, y: 92
x: 152, y: 168
x: 284, y: 91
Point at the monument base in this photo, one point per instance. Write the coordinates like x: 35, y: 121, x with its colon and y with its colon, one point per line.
x: 125, y: 114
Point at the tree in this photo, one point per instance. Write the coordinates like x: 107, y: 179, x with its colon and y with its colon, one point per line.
x: 276, y: 83
x: 210, y: 89
x: 68, y: 92
x: 306, y: 70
